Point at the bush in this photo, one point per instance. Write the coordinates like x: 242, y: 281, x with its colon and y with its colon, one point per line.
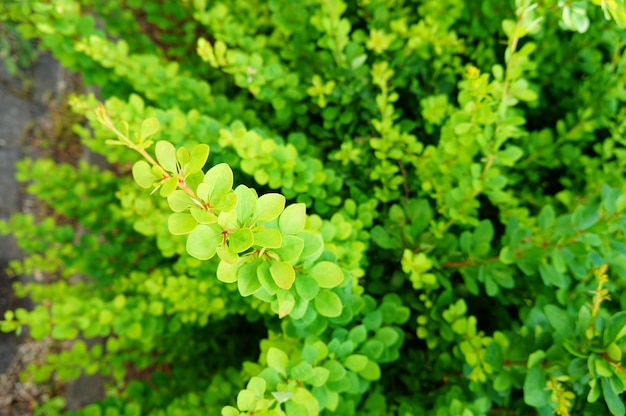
x: 428, y: 211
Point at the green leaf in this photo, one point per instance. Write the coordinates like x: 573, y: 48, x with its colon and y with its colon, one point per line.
x: 283, y: 274
x: 546, y: 217
x: 246, y: 400
x: 240, y: 240
x: 149, y: 127
x: 615, y: 328
x: 302, y: 371
x: 202, y: 216
x: 181, y: 223
x: 198, y: 158
x: 510, y: 155
x: 307, y: 287
x: 313, y: 246
x: 371, y: 371
x: 551, y: 276
x: 226, y: 254
x: 293, y: 219
x: 247, y: 280
x: 535, y: 393
x: 168, y: 186
x: 327, y: 274
x: 355, y: 362
x: 257, y: 385
x: 269, y: 207
x: 328, y: 304
x: 560, y: 320
x: 291, y: 248
x: 227, y: 272
x: 319, y: 377
x: 218, y: 181
x: 268, y: 238
x: 202, y: 241
x: 230, y: 411
x: 282, y: 396
x: 166, y: 156
x: 612, y: 399
x: 179, y: 201
x: 142, y: 173
x: 266, y: 279
x: 247, y: 204
x: 286, y: 303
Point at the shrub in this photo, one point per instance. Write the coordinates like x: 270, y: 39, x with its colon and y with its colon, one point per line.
x: 408, y: 207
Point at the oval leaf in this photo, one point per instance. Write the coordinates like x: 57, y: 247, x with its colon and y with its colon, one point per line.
x: 202, y: 241
x: 199, y: 155
x: 327, y: 274
x: 180, y: 223
x: 179, y: 201
x: 166, y: 156
x: 283, y: 274
x: 142, y: 173
x: 269, y: 206
x: 219, y: 180
x: 247, y: 280
x: 240, y: 240
x: 328, y: 304
x: 268, y: 238
x: 292, y: 219
x: 291, y: 248
x: 149, y: 127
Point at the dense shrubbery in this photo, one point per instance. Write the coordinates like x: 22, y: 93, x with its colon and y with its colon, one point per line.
x: 461, y: 164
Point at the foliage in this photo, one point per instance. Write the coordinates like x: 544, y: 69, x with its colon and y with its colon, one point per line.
x: 410, y: 207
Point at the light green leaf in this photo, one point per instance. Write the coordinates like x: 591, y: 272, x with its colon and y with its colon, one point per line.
x: 266, y: 279
x: 291, y: 248
x: 247, y: 280
x: 181, y: 223
x: 246, y: 400
x: 168, y: 186
x: 226, y: 203
x: 247, y: 203
x: 283, y: 274
x: 278, y: 360
x: 182, y: 156
x: 293, y: 219
x: 202, y: 241
x: 286, y: 303
x: 313, y: 246
x: 166, y: 156
x: 371, y: 371
x: 227, y: 272
x: 225, y: 254
x: 201, y: 215
x: 307, y: 287
x: 269, y: 206
x: 615, y: 328
x: 355, y: 362
x: 268, y: 238
x: 328, y: 304
x: 319, y: 377
x: 282, y: 396
x: 149, y: 127
x: 219, y: 180
x: 257, y: 385
x: 179, y: 201
x: 198, y: 158
x: 230, y: 411
x: 535, y: 393
x: 240, y: 240
x: 327, y: 274
x: 142, y: 173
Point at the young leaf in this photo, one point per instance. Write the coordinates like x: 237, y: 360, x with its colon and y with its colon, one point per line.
x: 166, y: 156
x: 327, y: 274
x: 291, y: 248
x: 240, y: 240
x: 283, y: 274
x: 198, y: 158
x: 179, y: 201
x: 226, y: 254
x: 292, y: 219
x: 286, y: 303
x: 227, y: 272
x: 142, y: 173
x: 307, y: 287
x: 278, y: 360
x: 247, y: 203
x: 180, y: 223
x: 201, y: 215
x: 268, y: 238
x: 149, y: 127
x: 247, y: 280
x: 269, y: 207
x: 168, y: 186
x: 219, y: 180
x: 202, y: 241
x: 266, y: 279
x: 328, y: 304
